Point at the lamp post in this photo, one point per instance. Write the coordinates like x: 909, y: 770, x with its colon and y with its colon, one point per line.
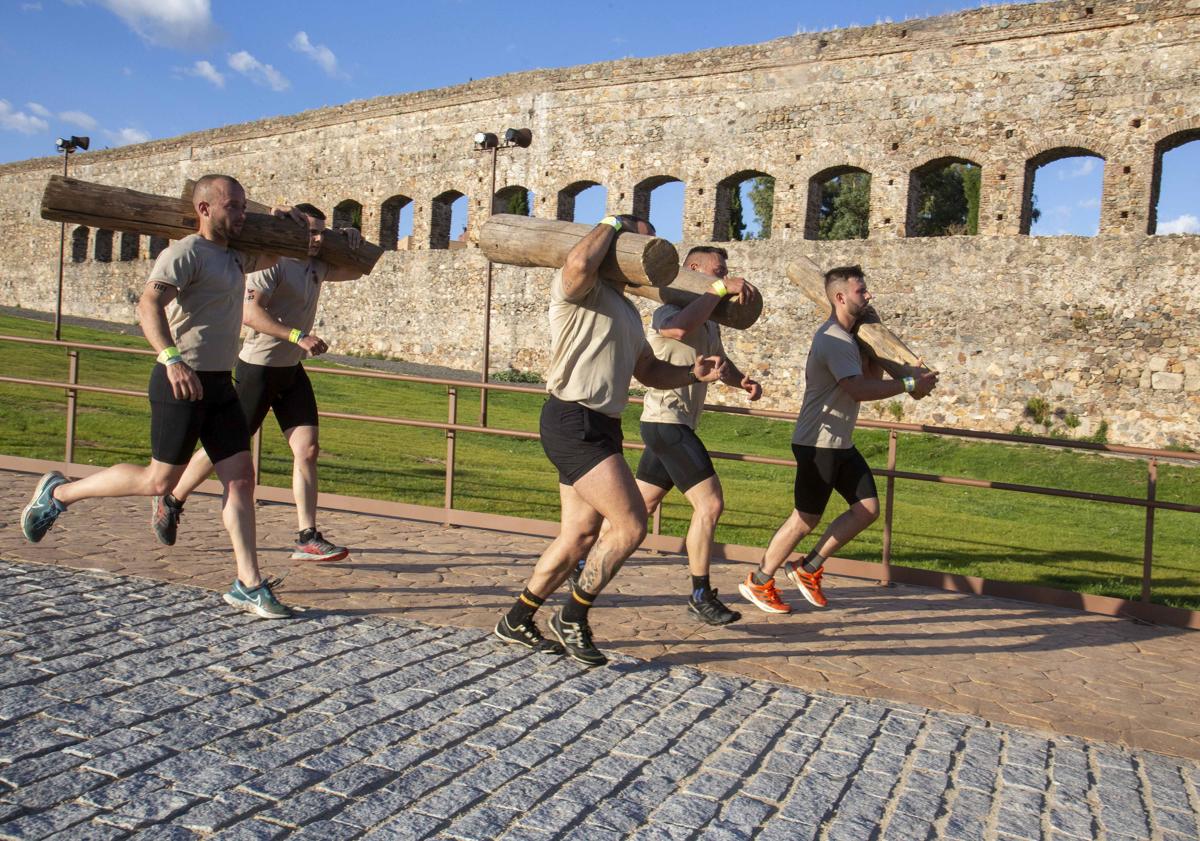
x: 66, y: 146
x: 485, y: 141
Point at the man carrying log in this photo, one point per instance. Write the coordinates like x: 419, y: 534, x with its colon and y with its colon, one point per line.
x: 597, y: 345
x: 280, y: 310
x: 837, y: 380
x: 674, y: 455
x: 191, y: 314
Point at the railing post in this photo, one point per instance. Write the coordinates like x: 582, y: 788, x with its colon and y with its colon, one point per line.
x: 889, y: 497
x: 452, y: 416
x: 72, y: 403
x: 1148, y: 544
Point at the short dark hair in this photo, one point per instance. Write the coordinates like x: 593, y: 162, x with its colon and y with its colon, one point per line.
x: 706, y: 249
x: 630, y: 220
x: 205, y: 183
x: 311, y: 210
x: 843, y: 273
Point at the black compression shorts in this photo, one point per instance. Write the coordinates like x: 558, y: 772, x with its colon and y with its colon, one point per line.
x: 674, y: 457
x: 285, y: 391
x: 822, y: 470
x: 216, y: 420
x: 576, y: 438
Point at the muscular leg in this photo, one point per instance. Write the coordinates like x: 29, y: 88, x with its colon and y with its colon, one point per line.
x: 611, y: 491
x: 794, y: 529
x: 122, y: 480
x: 198, y: 469
x: 578, y: 532
x: 237, y: 512
x: 305, y: 448
x: 846, y: 527
x: 707, y: 504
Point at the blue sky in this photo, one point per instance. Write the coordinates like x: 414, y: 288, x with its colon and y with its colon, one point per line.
x: 124, y: 71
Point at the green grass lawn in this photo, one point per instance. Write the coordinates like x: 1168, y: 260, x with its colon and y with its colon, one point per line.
x: 1069, y: 544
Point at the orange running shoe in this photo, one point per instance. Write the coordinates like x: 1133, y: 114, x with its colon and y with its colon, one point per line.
x: 766, y: 598
x: 808, y: 582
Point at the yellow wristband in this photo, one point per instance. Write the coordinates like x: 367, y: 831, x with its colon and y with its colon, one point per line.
x: 611, y: 220
x: 296, y: 335
x: 170, y: 355
x: 718, y: 288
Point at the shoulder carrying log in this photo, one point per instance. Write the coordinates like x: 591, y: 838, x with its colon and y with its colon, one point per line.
x: 689, y: 285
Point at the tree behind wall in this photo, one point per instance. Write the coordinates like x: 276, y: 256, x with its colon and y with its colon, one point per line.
x: 949, y: 201
x: 762, y: 196
x: 845, y: 207
x: 518, y: 203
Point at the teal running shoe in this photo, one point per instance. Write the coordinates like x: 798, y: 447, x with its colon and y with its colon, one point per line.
x: 43, y: 509
x: 258, y: 600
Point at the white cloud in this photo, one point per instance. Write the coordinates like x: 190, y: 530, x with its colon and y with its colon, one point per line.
x: 31, y: 7
x: 39, y: 109
x: 168, y: 23
x: 205, y: 70
x: 1082, y: 166
x: 319, y: 53
x: 1185, y: 224
x: 81, y: 119
x: 262, y: 74
x: 126, y: 136
x: 11, y: 120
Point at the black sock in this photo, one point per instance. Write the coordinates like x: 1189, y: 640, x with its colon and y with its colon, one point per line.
x: 812, y: 561
x: 307, y: 535
x: 700, y: 587
x: 522, y: 611
x: 170, y: 500
x: 759, y: 577
x: 576, y: 608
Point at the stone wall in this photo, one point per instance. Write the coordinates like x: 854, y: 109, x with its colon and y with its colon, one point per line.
x: 1103, y: 328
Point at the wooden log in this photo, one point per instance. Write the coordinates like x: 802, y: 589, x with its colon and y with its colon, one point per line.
x: 528, y: 241
x: 120, y: 209
x: 689, y: 285
x: 893, y: 354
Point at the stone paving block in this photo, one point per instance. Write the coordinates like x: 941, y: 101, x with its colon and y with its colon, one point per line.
x: 52, y: 822
x: 116, y: 793
x: 153, y: 808
x: 357, y: 780
x: 279, y: 783
x: 449, y: 800
x: 250, y: 830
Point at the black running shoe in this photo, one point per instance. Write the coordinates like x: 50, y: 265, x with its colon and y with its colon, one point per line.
x: 576, y: 638
x: 528, y: 635
x: 711, y: 611
x: 164, y: 516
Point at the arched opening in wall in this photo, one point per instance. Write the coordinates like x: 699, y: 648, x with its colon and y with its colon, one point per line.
x: 396, y: 223
x: 943, y: 198
x: 447, y: 219
x: 130, y: 245
x: 584, y: 202
x: 745, y: 205
x: 1175, y: 189
x: 157, y: 246
x: 102, y: 250
x: 348, y: 214
x: 839, y: 204
x: 79, y: 244
x: 1063, y: 189
x: 660, y: 200
x: 513, y: 199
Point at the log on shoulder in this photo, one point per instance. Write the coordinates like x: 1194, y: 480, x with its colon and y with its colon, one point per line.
x: 120, y: 209
x: 689, y: 285
x: 893, y: 354
x: 529, y: 241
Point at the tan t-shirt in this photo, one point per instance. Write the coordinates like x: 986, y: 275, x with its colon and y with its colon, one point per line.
x: 679, y: 405
x: 594, y: 344
x: 205, y: 318
x: 828, y: 413
x: 291, y: 289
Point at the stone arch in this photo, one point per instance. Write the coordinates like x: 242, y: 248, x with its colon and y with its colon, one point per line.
x: 643, y: 189
x: 348, y: 214
x: 79, y: 243
x: 1069, y: 148
x: 918, y: 180
x: 816, y: 198
x: 727, y: 190
x: 389, y: 221
x: 509, y: 199
x: 102, y: 250
x: 565, y: 209
x: 1176, y: 137
x: 441, y: 211
x: 131, y: 245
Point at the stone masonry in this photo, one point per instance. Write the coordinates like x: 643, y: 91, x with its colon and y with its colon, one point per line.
x: 1102, y: 327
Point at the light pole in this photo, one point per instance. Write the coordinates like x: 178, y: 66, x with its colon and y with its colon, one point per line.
x: 485, y: 141
x: 66, y: 146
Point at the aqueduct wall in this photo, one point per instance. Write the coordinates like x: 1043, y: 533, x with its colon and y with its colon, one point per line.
x: 1103, y: 327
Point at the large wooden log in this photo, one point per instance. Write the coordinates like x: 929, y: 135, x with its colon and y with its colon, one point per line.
x: 689, y: 285
x: 893, y: 354
x: 528, y: 241
x: 120, y: 209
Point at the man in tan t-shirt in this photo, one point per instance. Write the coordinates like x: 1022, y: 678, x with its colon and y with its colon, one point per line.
x: 280, y: 310
x: 597, y: 346
x: 190, y: 311
x: 836, y: 381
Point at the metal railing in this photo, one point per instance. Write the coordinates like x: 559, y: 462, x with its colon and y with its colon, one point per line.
x: 885, y: 572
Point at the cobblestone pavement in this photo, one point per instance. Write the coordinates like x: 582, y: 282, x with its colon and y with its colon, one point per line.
x: 133, y: 707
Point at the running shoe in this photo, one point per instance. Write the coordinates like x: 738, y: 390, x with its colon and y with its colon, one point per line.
x: 258, y: 600
x: 165, y: 512
x: 808, y: 582
x: 711, y: 611
x: 43, y: 509
x: 528, y: 635
x: 576, y: 638
x: 765, y: 598
x: 318, y: 549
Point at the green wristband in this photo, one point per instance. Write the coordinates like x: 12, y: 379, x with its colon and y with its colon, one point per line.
x: 170, y: 355
x: 611, y: 220
x: 718, y: 288
x: 296, y: 335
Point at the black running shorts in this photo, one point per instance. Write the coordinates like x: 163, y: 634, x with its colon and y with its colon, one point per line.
x: 576, y: 438
x: 216, y: 420
x: 822, y: 470
x: 285, y: 391
x: 674, y: 457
